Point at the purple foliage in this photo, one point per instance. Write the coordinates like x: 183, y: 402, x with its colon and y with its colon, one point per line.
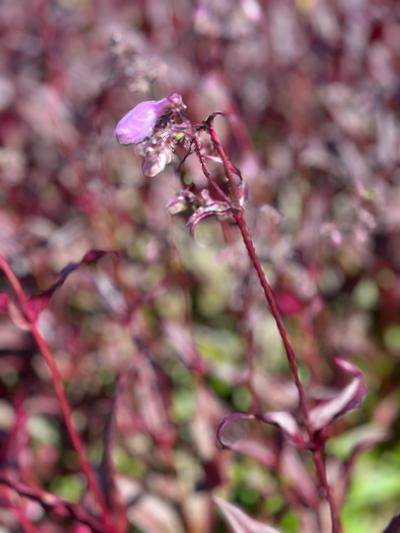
x: 239, y: 521
x: 194, y: 378
x: 346, y: 400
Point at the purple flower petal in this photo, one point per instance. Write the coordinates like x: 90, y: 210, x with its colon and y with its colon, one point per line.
x: 349, y: 398
x: 140, y: 121
x: 234, y: 434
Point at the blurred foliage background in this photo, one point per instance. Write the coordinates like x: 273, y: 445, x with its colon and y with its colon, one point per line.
x: 174, y: 325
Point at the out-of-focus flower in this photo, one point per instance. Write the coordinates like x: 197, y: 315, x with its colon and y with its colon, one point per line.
x: 140, y: 121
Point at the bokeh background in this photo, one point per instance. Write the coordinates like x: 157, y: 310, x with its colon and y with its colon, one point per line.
x: 165, y: 336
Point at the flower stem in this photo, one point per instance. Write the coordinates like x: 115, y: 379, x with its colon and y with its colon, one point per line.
x: 238, y: 214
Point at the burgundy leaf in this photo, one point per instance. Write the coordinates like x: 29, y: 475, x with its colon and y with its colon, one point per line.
x: 231, y: 430
x: 239, y: 521
x: 35, y: 305
x: 286, y: 423
x: 349, y: 398
x: 233, y: 435
x: 139, y: 122
x: 202, y: 212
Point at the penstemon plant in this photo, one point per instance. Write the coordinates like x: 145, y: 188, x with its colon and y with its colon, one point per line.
x: 157, y: 129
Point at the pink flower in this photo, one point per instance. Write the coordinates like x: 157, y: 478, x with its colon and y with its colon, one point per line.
x: 140, y: 121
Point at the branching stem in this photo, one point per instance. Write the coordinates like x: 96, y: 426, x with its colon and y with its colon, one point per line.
x: 316, y: 447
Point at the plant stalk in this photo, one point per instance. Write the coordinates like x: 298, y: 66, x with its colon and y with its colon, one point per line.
x: 238, y: 214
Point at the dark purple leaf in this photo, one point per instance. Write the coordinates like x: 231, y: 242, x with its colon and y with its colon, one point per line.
x: 35, y: 305
x: 286, y: 423
x: 239, y: 521
x: 139, y: 122
x: 3, y: 303
x: 232, y: 433
x: 346, y: 400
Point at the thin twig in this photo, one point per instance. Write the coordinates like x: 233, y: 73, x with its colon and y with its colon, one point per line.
x: 52, y: 503
x: 211, y: 182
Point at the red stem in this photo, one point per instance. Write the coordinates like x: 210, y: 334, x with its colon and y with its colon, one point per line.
x: 26, y: 525
x: 238, y: 214
x: 212, y: 184
x: 58, y: 386
x: 51, y: 502
x: 275, y: 312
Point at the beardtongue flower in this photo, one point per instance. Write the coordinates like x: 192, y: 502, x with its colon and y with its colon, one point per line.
x: 139, y: 122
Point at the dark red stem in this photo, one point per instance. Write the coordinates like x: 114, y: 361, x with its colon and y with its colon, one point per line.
x: 52, y: 503
x: 211, y: 182
x: 238, y: 214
